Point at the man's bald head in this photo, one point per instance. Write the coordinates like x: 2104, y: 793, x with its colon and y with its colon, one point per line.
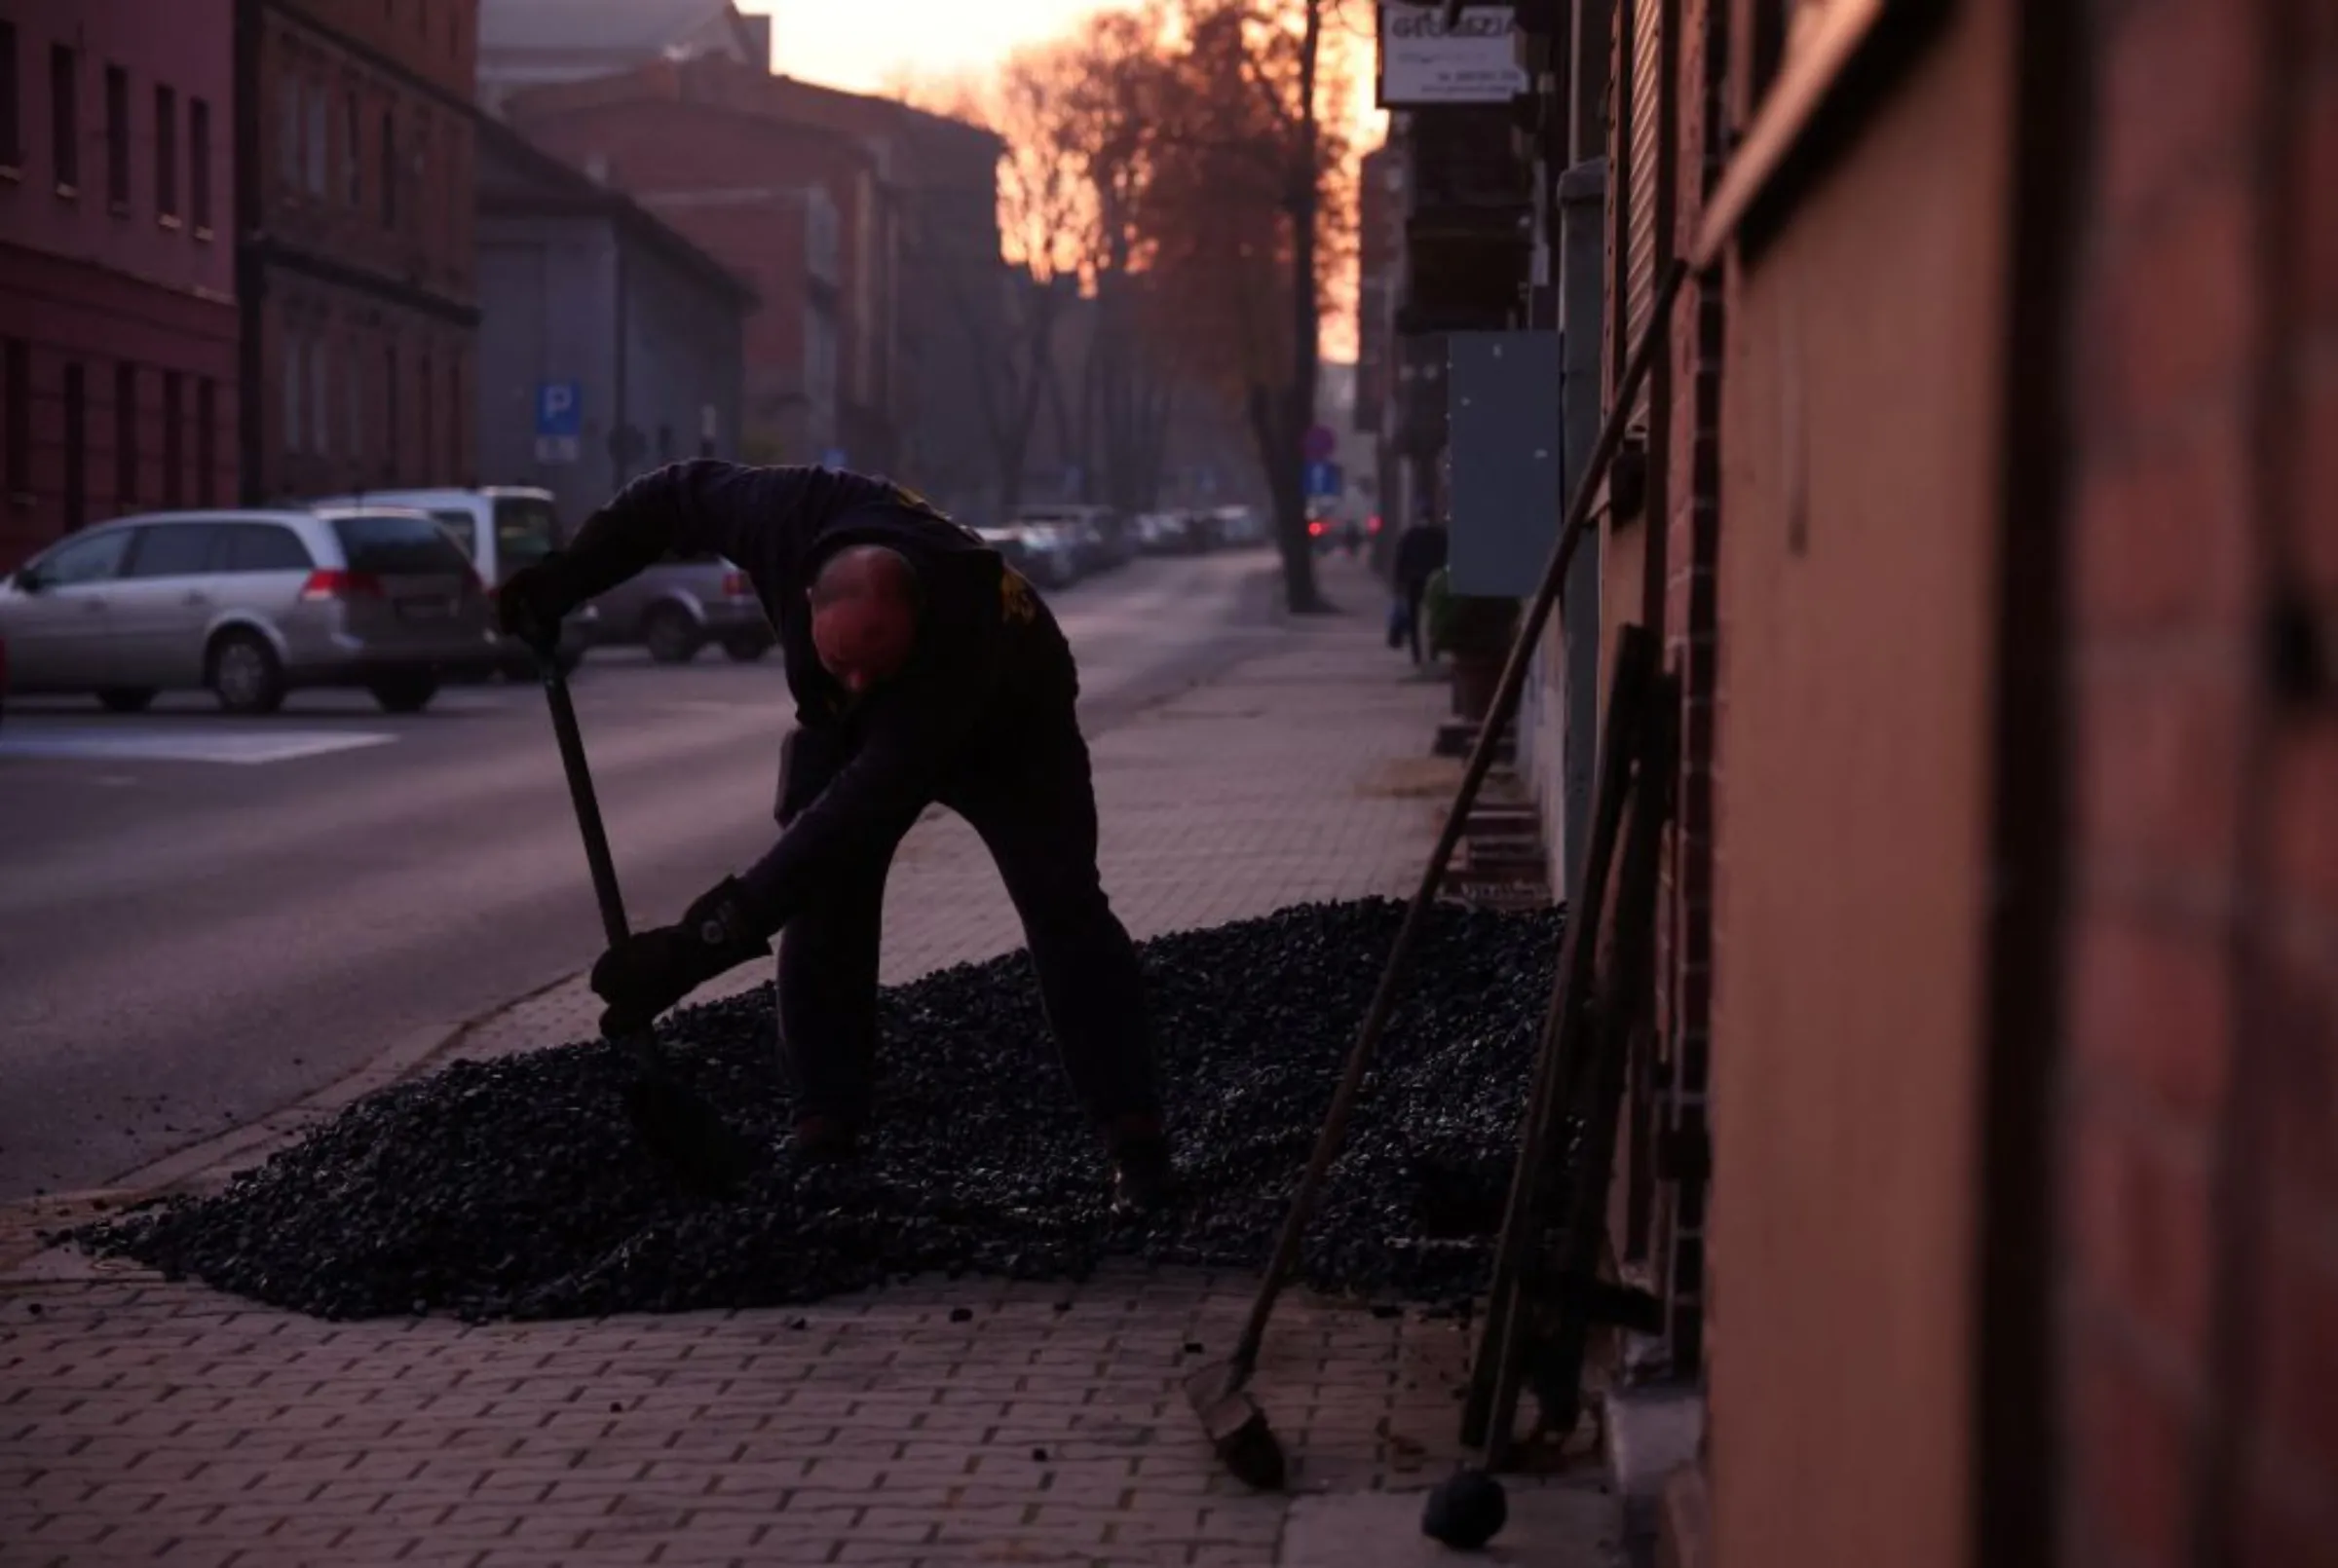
x: 864, y: 615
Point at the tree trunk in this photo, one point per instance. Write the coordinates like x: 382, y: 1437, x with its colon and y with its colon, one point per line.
x: 1286, y: 483
x: 1288, y: 462
x: 1160, y: 403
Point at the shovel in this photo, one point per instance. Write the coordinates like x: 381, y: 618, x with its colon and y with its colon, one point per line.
x: 677, y: 1127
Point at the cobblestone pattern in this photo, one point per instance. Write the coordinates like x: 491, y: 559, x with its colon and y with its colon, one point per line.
x: 146, y: 1422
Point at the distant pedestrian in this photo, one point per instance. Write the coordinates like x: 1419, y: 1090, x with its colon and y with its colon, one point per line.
x: 924, y: 670
x: 1419, y: 556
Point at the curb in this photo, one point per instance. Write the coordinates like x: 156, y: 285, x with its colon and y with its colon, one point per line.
x: 209, y: 1163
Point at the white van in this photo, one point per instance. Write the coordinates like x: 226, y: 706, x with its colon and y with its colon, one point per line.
x: 501, y: 528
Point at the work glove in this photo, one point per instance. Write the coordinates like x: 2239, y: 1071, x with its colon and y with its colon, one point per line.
x: 531, y: 605
x: 652, y: 970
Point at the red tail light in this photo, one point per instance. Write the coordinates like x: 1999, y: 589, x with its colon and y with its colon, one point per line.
x: 341, y: 585
x: 737, y: 586
x: 1316, y: 527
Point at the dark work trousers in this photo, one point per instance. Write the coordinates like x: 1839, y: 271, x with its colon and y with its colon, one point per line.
x: 1414, y: 591
x: 1030, y: 794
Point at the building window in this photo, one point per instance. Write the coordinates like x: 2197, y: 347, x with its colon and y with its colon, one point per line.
x: 207, y: 436
x: 289, y: 138
x: 388, y: 169
x: 320, y: 141
x: 292, y: 365
x: 174, y: 443
x: 77, y: 448
x: 455, y: 420
x: 352, y: 167
x: 64, y: 117
x: 166, y: 153
x: 422, y: 407
x: 12, y: 109
x: 357, y: 404
x: 125, y: 433
x: 198, y: 166
x: 418, y: 187
x: 15, y: 419
x: 117, y: 138
x: 390, y: 430
x: 320, y: 429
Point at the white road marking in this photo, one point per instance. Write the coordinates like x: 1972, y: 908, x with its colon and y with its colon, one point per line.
x: 243, y: 748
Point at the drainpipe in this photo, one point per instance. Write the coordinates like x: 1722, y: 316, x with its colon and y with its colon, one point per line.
x: 1581, y: 232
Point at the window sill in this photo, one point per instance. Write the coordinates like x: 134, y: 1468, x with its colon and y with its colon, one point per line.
x: 66, y: 190
x: 13, y: 174
x: 1831, y: 78
x: 203, y: 232
x: 168, y: 220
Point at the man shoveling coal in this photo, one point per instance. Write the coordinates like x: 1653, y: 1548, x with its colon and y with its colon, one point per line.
x: 924, y: 670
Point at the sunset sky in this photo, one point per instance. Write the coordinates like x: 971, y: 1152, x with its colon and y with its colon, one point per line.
x: 847, y: 46
x: 844, y: 46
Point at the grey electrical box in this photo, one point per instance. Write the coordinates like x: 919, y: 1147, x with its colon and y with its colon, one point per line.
x: 1502, y: 404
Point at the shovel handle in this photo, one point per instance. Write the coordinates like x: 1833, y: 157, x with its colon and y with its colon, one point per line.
x: 579, y: 793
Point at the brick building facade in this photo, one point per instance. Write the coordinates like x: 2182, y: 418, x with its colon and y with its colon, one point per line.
x: 801, y: 211
x: 1997, y: 576
x: 355, y: 168
x: 949, y: 286
x: 1987, y: 518
x: 117, y: 326
x: 2195, y: 1129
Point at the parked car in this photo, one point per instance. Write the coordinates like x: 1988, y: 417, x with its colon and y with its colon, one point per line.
x: 679, y: 606
x: 252, y: 605
x: 1168, y: 533
x: 1050, y: 558
x: 3, y: 680
x: 1012, y: 546
x: 501, y: 528
x: 1096, y: 540
x: 1241, y: 526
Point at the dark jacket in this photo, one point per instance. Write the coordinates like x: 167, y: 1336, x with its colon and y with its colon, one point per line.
x: 987, y: 651
x: 1420, y: 554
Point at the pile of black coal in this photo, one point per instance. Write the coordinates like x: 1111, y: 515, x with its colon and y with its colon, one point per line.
x: 515, y: 1188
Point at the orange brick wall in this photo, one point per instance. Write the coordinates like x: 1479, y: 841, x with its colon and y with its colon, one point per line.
x: 2200, y: 1136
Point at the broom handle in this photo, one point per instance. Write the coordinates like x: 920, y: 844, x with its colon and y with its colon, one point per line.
x: 1481, y: 761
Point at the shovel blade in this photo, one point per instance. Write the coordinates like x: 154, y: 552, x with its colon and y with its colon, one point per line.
x: 686, y: 1136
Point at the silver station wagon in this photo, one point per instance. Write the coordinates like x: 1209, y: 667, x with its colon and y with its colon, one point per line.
x: 252, y: 604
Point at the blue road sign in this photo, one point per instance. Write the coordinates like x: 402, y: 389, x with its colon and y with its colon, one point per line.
x: 559, y: 408
x: 1323, y: 480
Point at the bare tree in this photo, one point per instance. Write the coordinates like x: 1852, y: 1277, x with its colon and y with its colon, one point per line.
x: 1246, y: 206
x: 1010, y: 306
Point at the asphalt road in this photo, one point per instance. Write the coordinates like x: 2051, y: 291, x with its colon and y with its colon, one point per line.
x: 204, y: 919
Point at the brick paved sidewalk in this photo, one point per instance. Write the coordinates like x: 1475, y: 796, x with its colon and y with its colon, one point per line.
x: 966, y: 1423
